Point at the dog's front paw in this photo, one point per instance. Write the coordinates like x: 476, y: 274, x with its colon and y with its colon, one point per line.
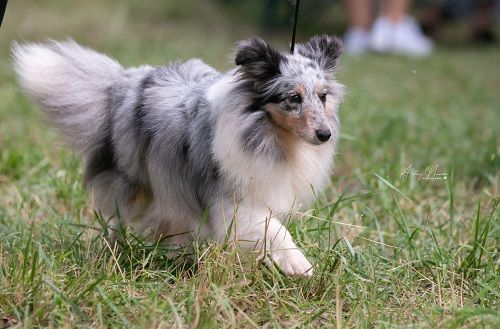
x: 291, y: 262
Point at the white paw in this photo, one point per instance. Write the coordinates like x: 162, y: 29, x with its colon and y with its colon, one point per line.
x: 291, y: 262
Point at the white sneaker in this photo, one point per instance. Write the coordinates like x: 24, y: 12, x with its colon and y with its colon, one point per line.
x: 382, y: 36
x: 356, y: 41
x: 409, y: 39
x: 404, y: 38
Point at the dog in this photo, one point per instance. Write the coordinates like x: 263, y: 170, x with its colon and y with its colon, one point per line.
x: 185, y: 152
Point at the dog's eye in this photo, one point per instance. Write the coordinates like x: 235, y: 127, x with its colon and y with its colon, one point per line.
x: 322, y: 96
x: 295, y: 98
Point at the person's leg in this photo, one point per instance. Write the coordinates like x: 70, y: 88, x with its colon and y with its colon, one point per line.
x: 360, y: 14
x: 395, y: 10
x: 360, y: 21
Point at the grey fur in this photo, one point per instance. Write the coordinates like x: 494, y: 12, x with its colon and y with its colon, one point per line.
x: 147, y: 133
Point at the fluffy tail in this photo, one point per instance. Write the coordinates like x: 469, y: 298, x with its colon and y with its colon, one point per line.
x: 72, y: 85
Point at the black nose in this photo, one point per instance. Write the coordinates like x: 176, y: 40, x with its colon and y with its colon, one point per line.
x: 323, y: 134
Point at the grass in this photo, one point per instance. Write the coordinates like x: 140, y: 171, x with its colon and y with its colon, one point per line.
x: 390, y: 250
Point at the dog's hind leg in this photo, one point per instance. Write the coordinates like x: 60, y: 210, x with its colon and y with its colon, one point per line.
x: 118, y: 201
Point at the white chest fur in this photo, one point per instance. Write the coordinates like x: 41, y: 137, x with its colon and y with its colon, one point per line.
x: 279, y: 185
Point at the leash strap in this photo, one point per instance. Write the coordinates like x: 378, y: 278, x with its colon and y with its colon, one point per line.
x: 295, y: 22
x: 3, y: 6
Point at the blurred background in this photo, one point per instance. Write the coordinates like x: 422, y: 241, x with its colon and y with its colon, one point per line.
x: 217, y: 22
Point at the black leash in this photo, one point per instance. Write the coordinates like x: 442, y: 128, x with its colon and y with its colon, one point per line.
x: 295, y: 22
x: 3, y: 6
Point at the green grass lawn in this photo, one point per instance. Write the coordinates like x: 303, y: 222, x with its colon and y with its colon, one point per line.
x: 390, y: 250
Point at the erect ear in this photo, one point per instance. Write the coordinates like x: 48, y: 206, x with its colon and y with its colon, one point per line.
x: 324, y: 49
x: 258, y: 60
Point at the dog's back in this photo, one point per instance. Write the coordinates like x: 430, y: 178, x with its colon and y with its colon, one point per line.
x: 140, y: 130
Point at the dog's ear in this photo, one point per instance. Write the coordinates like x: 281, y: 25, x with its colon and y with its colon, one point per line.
x: 324, y: 49
x: 257, y: 59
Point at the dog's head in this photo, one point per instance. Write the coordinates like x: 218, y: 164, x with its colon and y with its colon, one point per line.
x: 298, y: 91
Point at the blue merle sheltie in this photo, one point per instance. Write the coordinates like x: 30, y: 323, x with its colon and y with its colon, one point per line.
x: 185, y: 151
